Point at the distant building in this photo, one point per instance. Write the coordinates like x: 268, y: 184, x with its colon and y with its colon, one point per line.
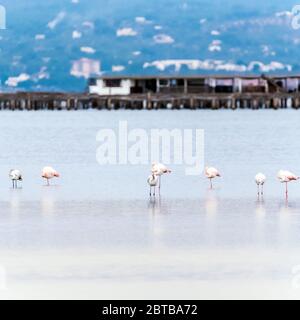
x: 107, y: 87
x: 127, y: 85
x: 85, y: 67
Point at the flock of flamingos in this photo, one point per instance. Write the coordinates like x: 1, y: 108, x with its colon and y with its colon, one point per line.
x: 158, y: 170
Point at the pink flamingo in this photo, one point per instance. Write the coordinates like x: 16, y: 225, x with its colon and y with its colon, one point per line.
x: 286, y: 177
x: 211, y: 173
x: 159, y: 169
x: 49, y: 173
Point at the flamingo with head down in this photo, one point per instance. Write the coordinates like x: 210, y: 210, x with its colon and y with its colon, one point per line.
x: 211, y: 173
x: 286, y: 177
x: 260, y: 180
x: 153, y: 182
x: 159, y: 169
x: 15, y: 176
x: 49, y: 173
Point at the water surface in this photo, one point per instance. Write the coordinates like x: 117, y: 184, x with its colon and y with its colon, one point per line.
x: 95, y: 233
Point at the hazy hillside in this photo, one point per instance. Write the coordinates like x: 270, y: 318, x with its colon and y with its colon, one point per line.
x: 44, y: 42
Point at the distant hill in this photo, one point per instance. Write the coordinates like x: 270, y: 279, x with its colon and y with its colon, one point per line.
x: 55, y: 45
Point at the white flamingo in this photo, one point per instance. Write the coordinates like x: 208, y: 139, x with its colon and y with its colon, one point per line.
x: 286, y: 177
x: 211, y: 173
x: 15, y: 176
x: 260, y: 180
x: 159, y: 169
x: 153, y: 182
x: 49, y: 173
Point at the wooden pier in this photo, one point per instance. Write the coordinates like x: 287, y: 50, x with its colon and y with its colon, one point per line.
x: 83, y: 101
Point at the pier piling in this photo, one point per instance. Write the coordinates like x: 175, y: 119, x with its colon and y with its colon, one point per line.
x: 68, y: 101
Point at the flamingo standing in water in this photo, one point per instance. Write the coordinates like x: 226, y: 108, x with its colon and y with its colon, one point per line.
x: 153, y: 182
x: 159, y: 169
x: 260, y: 180
x: 211, y: 173
x: 49, y: 173
x: 286, y: 177
x: 15, y: 176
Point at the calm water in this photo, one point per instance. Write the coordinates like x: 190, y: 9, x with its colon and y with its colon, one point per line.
x: 96, y: 228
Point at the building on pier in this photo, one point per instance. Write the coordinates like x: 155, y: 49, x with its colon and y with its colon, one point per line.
x: 166, y: 92
x: 128, y: 85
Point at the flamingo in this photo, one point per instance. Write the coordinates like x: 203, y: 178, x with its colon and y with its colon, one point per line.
x: 153, y: 182
x: 211, y: 173
x: 49, y: 173
x: 15, y: 176
x: 159, y: 169
x: 286, y: 177
x: 260, y: 180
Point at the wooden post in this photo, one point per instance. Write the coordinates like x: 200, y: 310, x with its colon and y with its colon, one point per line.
x: 192, y: 103
x: 186, y: 86
x: 254, y: 104
x: 157, y: 86
x: 12, y: 104
x: 233, y: 104
x: 213, y: 104
x: 149, y: 101
x: 109, y: 104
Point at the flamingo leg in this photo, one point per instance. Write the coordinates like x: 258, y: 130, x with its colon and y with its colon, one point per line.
x: 150, y: 191
x: 262, y: 190
x: 211, y: 186
x: 16, y: 184
x: 154, y: 191
x: 48, y: 184
x: 159, y: 184
x: 258, y: 190
x: 286, y: 190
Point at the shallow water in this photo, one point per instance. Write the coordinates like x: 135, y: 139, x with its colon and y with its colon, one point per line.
x: 96, y: 227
